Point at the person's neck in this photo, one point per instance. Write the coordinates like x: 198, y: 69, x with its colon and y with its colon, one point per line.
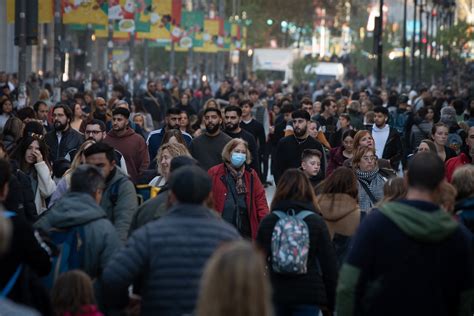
x: 326, y: 115
x: 121, y: 132
x: 247, y: 118
x: 439, y: 148
x: 213, y: 134
x: 347, y: 153
x: 303, y: 137
x: 235, y: 131
x: 415, y: 194
x: 380, y: 127
x: 64, y: 130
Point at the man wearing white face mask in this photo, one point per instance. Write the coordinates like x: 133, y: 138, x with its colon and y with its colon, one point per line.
x: 237, y: 191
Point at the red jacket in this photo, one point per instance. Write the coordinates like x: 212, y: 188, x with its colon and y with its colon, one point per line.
x: 256, y: 200
x: 454, y: 163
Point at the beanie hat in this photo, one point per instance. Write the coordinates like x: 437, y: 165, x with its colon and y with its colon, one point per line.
x: 190, y: 184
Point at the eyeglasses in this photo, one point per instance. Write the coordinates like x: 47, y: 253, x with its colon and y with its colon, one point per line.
x: 92, y: 132
x: 369, y: 158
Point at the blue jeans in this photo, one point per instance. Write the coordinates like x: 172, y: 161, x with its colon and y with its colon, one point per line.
x: 297, y: 310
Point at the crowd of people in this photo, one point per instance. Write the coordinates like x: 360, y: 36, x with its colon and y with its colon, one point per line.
x: 158, y: 202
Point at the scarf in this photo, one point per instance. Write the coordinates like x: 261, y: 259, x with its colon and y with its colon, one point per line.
x: 374, y: 182
x: 238, y: 176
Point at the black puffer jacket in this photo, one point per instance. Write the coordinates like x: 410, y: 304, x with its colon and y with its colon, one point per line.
x: 71, y: 140
x: 318, y: 285
x: 167, y: 256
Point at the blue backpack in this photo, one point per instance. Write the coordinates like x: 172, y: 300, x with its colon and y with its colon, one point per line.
x: 11, y: 283
x: 290, y: 242
x: 70, y: 256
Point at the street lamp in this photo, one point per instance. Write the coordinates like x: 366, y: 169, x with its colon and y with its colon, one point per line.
x: 379, y: 38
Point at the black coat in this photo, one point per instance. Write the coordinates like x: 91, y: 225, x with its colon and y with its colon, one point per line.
x: 393, y: 149
x: 318, y: 285
x: 71, y: 140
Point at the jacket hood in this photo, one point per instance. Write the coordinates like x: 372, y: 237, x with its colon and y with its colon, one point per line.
x: 334, y: 207
x: 128, y: 132
x: 74, y: 209
x: 420, y: 225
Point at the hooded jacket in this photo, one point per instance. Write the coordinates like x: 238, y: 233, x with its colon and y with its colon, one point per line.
x: 101, y: 239
x: 407, y: 258
x: 133, y: 149
x: 340, y: 212
x: 119, y: 201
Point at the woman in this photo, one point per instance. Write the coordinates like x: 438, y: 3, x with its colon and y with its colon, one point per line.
x: 439, y: 134
x: 364, y: 138
x: 167, y: 152
x: 338, y: 202
x: 185, y: 104
x: 147, y: 119
x: 139, y: 119
x: 77, y: 116
x: 304, y: 293
x: 238, y: 193
x: 65, y: 182
x: 422, y: 125
x: 313, y: 130
x: 12, y: 132
x: 338, y: 155
x: 6, y: 111
x: 370, y: 180
x: 234, y: 283
x: 33, y: 155
x: 184, y: 123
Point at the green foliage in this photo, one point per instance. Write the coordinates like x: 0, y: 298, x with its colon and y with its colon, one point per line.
x: 298, y: 69
x: 455, y: 37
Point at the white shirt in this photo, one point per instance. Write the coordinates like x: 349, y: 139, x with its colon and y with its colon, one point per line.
x: 380, y: 136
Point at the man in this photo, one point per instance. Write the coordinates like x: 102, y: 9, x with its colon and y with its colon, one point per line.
x: 63, y: 140
x: 465, y: 157
x: 234, y: 99
x: 279, y: 131
x: 409, y: 257
x: 388, y: 144
x: 153, y: 103
x: 207, y: 148
x: 307, y: 105
x: 119, y: 199
x: 259, y: 112
x: 80, y: 207
x: 42, y: 111
x: 95, y: 130
x: 100, y: 112
x: 255, y: 128
x: 155, y: 137
x: 127, y: 142
x: 168, y: 255
x: 328, y: 120
x: 232, y: 119
x: 420, y: 100
x: 290, y: 148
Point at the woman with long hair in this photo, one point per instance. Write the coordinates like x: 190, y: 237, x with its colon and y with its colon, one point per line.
x: 370, y: 180
x: 65, y: 182
x: 33, y: 159
x: 12, y: 133
x: 185, y: 123
x: 165, y: 154
x: 234, y: 283
x: 338, y: 155
x: 301, y: 294
x: 338, y: 201
x: 6, y: 111
x: 364, y: 138
x: 238, y: 193
x: 76, y: 122
x: 439, y: 134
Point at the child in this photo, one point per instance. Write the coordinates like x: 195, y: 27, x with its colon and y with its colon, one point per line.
x: 73, y: 295
x: 311, y: 164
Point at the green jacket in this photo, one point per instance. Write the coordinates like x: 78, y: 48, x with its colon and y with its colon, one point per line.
x: 101, y: 238
x: 149, y: 211
x: 119, y: 200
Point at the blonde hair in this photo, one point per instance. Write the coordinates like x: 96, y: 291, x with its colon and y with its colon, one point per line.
x: 463, y: 181
x: 76, y: 162
x: 227, y: 151
x: 234, y: 283
x: 174, y: 149
x: 206, y: 105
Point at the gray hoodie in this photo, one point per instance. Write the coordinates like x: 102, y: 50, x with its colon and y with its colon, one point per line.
x: 101, y: 238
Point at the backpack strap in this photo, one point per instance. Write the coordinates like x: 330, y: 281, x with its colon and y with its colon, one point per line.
x: 8, y: 214
x: 369, y: 193
x: 114, y: 191
x: 11, y: 283
x: 280, y: 214
x: 303, y: 214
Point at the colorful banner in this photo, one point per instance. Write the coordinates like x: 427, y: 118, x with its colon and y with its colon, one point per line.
x: 45, y: 11
x: 192, y: 25
x: 164, y: 21
x: 85, y: 12
x: 212, y: 36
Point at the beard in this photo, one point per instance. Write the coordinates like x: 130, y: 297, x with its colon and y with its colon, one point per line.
x: 231, y: 127
x: 211, y: 128
x: 300, y: 132
x: 59, y: 127
x: 172, y: 127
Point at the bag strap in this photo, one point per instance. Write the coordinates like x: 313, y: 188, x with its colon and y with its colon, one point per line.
x: 11, y: 283
x: 367, y: 190
x: 303, y: 214
x: 280, y: 214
